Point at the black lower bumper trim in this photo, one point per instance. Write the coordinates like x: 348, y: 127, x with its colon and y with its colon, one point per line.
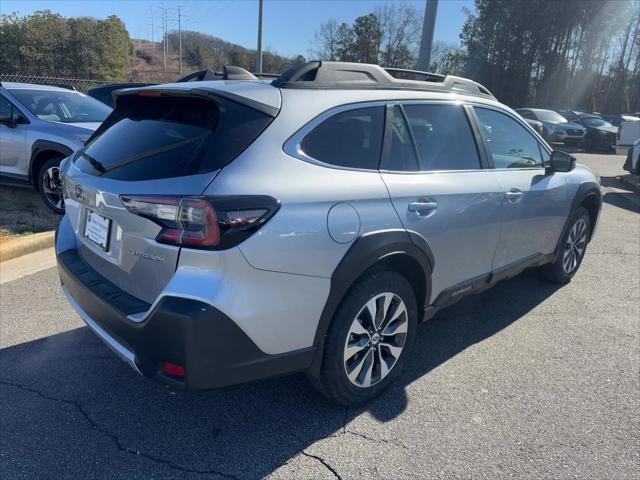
x: 213, y: 349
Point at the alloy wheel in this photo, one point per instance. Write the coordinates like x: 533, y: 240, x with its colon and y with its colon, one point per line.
x: 575, y: 246
x: 52, y: 187
x: 375, y: 340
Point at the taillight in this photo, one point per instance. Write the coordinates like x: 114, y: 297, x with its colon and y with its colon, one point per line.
x: 618, y: 133
x: 203, y: 222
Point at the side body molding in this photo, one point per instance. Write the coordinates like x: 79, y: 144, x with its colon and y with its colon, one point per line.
x: 406, y: 251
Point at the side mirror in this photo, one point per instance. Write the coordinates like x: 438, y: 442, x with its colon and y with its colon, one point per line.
x: 561, y: 162
x: 7, y: 120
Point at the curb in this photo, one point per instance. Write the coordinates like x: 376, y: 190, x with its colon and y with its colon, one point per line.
x: 23, y: 245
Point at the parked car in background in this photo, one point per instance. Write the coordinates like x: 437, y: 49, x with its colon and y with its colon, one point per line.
x: 556, y: 128
x: 616, y: 120
x: 39, y: 126
x: 537, y: 125
x: 600, y: 133
x: 104, y: 93
x: 628, y: 132
x: 189, y: 254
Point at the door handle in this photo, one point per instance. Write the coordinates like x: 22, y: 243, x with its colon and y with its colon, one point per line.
x: 513, y: 195
x: 422, y: 206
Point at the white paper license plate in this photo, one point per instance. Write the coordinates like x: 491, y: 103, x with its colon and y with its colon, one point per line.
x: 97, y: 229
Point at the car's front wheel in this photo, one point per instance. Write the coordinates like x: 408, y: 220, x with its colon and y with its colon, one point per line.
x: 572, y: 248
x: 50, y: 185
x: 369, y: 339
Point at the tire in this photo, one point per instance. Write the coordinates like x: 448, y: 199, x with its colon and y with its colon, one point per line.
x: 571, y: 254
x: 379, y: 288
x: 48, y: 180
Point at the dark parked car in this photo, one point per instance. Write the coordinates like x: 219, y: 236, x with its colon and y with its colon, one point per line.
x: 616, y: 120
x: 556, y: 128
x: 600, y: 133
x: 104, y: 93
x: 537, y: 125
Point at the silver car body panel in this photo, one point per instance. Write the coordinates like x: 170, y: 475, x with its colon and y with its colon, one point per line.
x: 275, y: 284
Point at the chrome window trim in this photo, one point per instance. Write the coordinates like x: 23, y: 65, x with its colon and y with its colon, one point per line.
x: 293, y: 146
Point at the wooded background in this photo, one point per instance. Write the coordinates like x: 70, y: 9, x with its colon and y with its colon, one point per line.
x: 575, y: 54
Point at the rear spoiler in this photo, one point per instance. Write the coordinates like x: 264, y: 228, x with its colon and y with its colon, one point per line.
x: 196, y: 91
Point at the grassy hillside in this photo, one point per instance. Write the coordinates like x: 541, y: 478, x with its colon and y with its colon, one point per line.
x: 145, y: 65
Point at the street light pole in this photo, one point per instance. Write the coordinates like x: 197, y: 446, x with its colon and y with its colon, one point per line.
x: 428, y: 27
x: 259, y: 51
x: 179, y: 40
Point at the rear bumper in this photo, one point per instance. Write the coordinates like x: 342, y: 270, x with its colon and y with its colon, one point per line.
x: 213, y: 350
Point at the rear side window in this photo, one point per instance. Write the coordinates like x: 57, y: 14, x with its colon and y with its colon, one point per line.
x: 510, y: 144
x: 149, y: 138
x: 351, y: 139
x: 443, y: 137
x: 401, y: 156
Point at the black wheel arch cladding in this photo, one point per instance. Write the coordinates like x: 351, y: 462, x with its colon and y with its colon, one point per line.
x: 400, y: 250
x: 49, y: 148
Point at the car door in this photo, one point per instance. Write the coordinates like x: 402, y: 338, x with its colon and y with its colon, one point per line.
x: 534, y: 205
x: 12, y: 140
x: 440, y: 190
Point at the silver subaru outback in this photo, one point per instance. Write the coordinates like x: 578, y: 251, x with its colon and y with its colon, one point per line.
x: 232, y: 230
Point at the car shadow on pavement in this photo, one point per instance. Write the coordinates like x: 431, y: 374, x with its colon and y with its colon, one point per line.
x: 628, y: 201
x: 126, y: 426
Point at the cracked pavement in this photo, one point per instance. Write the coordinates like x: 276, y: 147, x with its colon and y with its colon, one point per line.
x: 525, y: 380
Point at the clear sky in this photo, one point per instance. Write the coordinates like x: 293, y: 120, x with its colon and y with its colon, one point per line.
x: 288, y: 27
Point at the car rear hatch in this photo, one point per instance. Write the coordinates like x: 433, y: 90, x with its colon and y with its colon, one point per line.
x: 160, y: 143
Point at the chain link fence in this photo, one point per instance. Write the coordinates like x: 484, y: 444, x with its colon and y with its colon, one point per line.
x: 80, y: 84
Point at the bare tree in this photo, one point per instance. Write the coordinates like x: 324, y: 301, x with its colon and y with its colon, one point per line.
x: 400, y: 23
x: 326, y: 41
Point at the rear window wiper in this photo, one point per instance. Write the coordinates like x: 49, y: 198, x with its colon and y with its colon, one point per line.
x: 94, y: 163
x: 154, y: 152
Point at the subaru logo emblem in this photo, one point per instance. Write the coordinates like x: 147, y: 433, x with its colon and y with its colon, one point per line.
x: 79, y: 193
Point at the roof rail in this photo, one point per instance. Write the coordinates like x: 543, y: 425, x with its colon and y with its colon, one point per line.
x: 428, y: 76
x: 362, y: 76
x: 229, y: 72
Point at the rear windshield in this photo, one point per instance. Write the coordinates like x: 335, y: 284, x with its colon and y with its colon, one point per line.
x: 149, y: 137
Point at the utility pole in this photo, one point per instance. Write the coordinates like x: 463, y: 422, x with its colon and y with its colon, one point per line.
x: 179, y: 39
x: 428, y: 27
x: 164, y: 37
x: 259, y: 51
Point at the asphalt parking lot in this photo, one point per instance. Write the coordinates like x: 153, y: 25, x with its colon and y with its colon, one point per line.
x: 526, y: 380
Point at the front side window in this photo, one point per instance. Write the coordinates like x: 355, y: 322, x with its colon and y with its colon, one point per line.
x: 350, y: 139
x: 510, y: 144
x: 59, y: 106
x: 443, y: 137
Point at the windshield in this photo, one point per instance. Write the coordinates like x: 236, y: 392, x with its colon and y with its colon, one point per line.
x: 59, y: 106
x: 549, y: 116
x: 595, y: 122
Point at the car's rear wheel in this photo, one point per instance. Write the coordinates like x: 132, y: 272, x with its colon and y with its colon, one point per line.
x: 572, y: 249
x: 50, y: 185
x: 369, y: 339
